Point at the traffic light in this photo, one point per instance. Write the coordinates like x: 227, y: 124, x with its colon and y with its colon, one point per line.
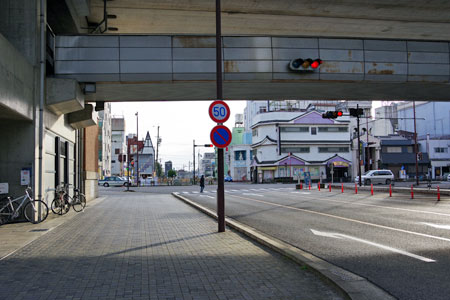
x: 332, y: 114
x: 208, y: 145
x: 300, y: 64
x: 132, y: 162
x: 355, y: 112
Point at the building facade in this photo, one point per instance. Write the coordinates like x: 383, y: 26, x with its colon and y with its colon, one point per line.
x: 104, y: 139
x: 147, y: 158
x: 167, y: 167
x: 295, y: 145
x: 118, y: 146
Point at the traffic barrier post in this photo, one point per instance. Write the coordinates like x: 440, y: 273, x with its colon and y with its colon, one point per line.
x: 356, y: 188
x: 309, y: 185
x: 318, y: 186
x: 371, y: 189
x: 329, y: 187
x: 342, y: 187
x: 390, y: 190
x: 412, y: 192
x: 439, y: 194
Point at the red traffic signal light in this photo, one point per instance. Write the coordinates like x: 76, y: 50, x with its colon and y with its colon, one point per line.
x: 300, y: 64
x: 208, y: 145
x: 332, y: 114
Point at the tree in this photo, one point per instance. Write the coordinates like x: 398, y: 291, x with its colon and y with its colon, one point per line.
x: 158, y: 169
x: 171, y: 173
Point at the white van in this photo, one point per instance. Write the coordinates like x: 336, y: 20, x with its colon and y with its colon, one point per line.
x: 376, y: 176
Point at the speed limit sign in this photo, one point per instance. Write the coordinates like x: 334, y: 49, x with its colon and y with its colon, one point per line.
x: 219, y: 111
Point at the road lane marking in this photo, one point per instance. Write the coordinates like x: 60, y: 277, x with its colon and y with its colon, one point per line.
x: 235, y: 190
x: 381, y: 206
x: 302, y: 193
x: 250, y: 194
x: 194, y: 192
x: 185, y: 192
x: 349, y: 237
x: 439, y: 226
x: 207, y: 196
x: 348, y: 219
x: 245, y: 190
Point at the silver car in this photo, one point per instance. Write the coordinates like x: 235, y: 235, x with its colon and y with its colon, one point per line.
x: 113, y: 181
x: 376, y: 176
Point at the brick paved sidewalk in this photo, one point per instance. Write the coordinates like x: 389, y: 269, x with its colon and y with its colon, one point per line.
x: 141, y: 246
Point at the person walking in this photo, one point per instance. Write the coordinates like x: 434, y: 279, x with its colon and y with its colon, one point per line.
x: 202, y: 183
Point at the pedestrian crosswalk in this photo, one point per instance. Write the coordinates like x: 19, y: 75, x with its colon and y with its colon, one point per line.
x: 245, y: 192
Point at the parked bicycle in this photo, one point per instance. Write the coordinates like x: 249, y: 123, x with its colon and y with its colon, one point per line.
x: 34, y: 211
x: 63, y: 201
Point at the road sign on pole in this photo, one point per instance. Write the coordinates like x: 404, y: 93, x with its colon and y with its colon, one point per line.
x: 220, y: 136
x: 219, y: 111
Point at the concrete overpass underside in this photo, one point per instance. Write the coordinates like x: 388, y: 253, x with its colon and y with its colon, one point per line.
x: 149, y: 67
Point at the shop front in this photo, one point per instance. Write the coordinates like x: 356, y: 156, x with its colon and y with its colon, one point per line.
x: 338, y: 170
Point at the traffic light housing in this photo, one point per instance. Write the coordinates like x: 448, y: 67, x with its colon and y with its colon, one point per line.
x: 356, y: 112
x: 209, y: 145
x: 132, y: 162
x: 332, y: 114
x: 300, y: 64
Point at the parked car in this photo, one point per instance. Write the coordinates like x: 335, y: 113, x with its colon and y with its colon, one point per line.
x: 228, y: 178
x: 113, y: 181
x: 376, y: 176
x: 448, y: 177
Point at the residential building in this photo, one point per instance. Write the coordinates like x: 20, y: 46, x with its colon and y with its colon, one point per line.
x: 207, y: 164
x: 438, y: 150
x: 397, y: 155
x: 386, y: 120
x: 104, y: 139
x: 118, y: 146
x: 239, y: 155
x: 292, y: 145
x: 134, y: 149
x: 147, y: 158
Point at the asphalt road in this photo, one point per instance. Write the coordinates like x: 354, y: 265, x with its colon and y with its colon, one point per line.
x: 402, y: 245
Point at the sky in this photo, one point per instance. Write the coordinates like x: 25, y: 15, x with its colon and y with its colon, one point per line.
x: 179, y: 123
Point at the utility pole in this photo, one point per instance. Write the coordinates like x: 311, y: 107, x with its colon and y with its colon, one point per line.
x: 193, y: 154
x: 415, y: 144
x: 156, y: 157
x: 137, y: 149
x: 359, y: 147
x: 220, y: 164
x: 368, y: 148
x: 128, y: 164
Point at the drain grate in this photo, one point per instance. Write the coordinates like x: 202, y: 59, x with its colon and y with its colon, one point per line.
x: 38, y: 230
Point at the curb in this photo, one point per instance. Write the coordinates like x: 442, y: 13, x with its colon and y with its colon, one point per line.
x: 351, y: 285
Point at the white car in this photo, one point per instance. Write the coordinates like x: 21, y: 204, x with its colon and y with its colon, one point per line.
x: 376, y: 176
x: 448, y: 177
x: 113, y: 181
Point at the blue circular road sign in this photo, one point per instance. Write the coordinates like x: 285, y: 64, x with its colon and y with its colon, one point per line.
x: 220, y: 136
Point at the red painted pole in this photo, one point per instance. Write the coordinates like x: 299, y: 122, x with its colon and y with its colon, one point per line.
x: 412, y: 192
x: 390, y: 190
x: 356, y: 188
x: 329, y: 187
x: 342, y: 187
x: 439, y: 194
x: 301, y: 186
x: 371, y: 189
x: 318, y: 186
x: 309, y: 185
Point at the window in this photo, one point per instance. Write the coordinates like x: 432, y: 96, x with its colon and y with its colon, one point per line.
x: 393, y: 150
x: 117, y: 151
x: 240, y: 155
x: 295, y: 149
x: 113, y: 161
x: 333, y: 149
x: 255, y: 132
x: 294, y: 129
x: 440, y: 150
x: 313, y: 130
x: 333, y: 129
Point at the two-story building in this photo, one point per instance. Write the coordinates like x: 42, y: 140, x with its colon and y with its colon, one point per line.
x: 289, y: 145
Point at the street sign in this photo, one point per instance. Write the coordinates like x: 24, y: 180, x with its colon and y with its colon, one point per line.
x: 219, y: 111
x: 220, y: 136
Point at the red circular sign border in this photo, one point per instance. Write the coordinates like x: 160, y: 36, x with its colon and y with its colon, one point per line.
x: 211, y: 106
x: 213, y: 141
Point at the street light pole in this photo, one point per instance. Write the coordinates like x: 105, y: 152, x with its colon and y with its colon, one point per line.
x: 193, y: 154
x: 359, y: 147
x: 137, y: 149
x: 415, y: 144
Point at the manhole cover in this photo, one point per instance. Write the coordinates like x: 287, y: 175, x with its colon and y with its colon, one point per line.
x: 38, y: 230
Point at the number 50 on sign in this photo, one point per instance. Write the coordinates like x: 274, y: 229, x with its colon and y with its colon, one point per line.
x: 219, y: 111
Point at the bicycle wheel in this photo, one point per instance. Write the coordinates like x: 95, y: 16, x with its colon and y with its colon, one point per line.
x: 5, y: 213
x: 59, y: 206
x: 79, y: 202
x: 35, y: 211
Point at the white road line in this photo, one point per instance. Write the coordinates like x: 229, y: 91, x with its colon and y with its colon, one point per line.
x: 254, y: 190
x: 194, y: 192
x: 234, y: 190
x: 207, y: 196
x: 303, y: 193
x: 439, y: 226
x: 245, y: 190
x: 344, y: 236
x: 381, y: 206
x: 251, y: 194
x: 349, y: 220
x: 185, y: 192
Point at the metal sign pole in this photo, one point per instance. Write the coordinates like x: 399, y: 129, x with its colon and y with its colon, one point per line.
x: 359, y: 146
x: 220, y: 165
